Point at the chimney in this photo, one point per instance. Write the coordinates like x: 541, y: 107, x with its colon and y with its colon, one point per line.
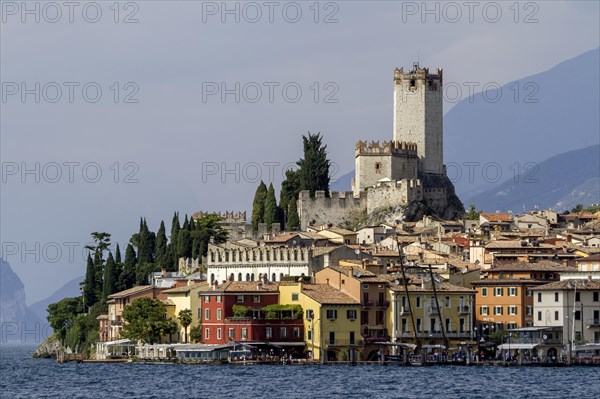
x: 259, y: 285
x: 569, y: 237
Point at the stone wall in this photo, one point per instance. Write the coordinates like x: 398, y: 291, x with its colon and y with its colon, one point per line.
x: 336, y: 208
x: 391, y: 194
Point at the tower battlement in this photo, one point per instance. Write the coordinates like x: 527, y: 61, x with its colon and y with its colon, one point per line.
x: 391, y: 147
x: 417, y: 73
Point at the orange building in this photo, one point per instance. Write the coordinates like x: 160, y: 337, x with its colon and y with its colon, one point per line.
x: 505, y: 300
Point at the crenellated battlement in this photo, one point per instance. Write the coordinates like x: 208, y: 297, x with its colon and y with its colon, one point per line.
x: 416, y: 73
x: 391, y: 147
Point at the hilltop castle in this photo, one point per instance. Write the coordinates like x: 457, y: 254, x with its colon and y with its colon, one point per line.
x: 407, y: 171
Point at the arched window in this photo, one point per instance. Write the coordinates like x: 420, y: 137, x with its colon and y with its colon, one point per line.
x: 280, y: 276
x: 247, y: 276
x: 226, y: 256
x: 231, y: 277
x: 212, y: 277
x: 239, y: 276
x: 273, y: 276
x: 212, y: 256
x: 252, y: 277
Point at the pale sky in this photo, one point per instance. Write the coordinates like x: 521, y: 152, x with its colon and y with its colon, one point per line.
x: 180, y: 132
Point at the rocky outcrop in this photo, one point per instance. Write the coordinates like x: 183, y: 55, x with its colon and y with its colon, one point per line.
x: 48, y: 348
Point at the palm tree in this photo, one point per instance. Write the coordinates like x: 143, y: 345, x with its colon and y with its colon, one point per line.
x: 185, y: 318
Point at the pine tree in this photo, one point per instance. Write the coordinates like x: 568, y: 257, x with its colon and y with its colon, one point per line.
x: 128, y: 275
x: 258, y: 206
x: 271, y: 213
x: 110, y: 281
x: 314, y: 167
x: 173, y: 241
x: 161, y: 247
x: 89, y: 285
x: 184, y: 244
x: 293, y: 221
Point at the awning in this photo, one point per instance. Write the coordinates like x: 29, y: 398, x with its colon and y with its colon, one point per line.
x: 517, y: 346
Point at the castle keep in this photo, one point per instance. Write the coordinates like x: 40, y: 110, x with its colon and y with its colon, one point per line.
x: 406, y: 171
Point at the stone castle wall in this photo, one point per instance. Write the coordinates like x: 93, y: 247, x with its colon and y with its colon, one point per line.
x: 336, y: 208
x: 390, y: 194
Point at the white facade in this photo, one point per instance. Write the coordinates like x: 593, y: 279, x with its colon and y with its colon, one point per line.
x: 560, y: 306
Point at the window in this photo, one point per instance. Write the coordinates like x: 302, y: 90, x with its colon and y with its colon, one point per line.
x: 206, y: 314
x: 231, y: 334
x: 206, y: 298
x: 218, y: 333
x: 556, y: 315
x: 461, y: 325
x: 512, y: 310
x: 484, y: 310
x: 268, y: 332
x: 207, y: 333
x: 498, y: 310
x: 419, y: 325
x: 283, y: 332
x: 377, y: 167
x: 498, y: 291
x: 309, y: 335
x: 578, y: 296
x: 244, y: 333
x: 447, y: 302
x: 539, y: 297
x: 484, y: 291
x: 351, y: 314
x: 418, y: 301
x: 294, y: 296
x: 309, y: 314
x: 577, y: 315
x: 331, y: 338
x: 219, y: 298
x: 352, y: 338
x: 199, y: 313
x: 529, y: 310
x: 331, y: 314
x: 529, y: 292
x: 365, y: 286
x: 512, y: 291
x: 256, y: 298
x: 219, y: 313
x: 539, y: 316
x: 556, y: 297
x: 296, y: 332
x: 240, y: 298
x: 404, y: 324
x: 595, y: 296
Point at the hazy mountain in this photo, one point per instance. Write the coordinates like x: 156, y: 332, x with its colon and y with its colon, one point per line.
x: 559, y: 183
x: 69, y: 290
x: 19, y: 323
x: 535, y: 118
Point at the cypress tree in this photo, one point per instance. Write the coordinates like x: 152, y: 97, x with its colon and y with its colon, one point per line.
x: 128, y: 275
x: 118, y: 269
x: 271, y: 212
x: 161, y: 247
x: 173, y: 241
x: 258, y: 206
x: 185, y: 225
x: 184, y: 244
x: 145, y: 245
x: 89, y: 285
x: 314, y: 167
x: 293, y: 221
x: 117, y: 254
x: 110, y: 281
x: 98, y: 275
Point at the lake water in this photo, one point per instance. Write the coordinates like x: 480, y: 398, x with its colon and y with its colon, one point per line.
x: 24, y: 377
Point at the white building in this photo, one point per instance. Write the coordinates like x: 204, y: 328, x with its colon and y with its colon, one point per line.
x: 572, y: 304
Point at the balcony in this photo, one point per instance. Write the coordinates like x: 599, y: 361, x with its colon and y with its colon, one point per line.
x: 463, y: 309
x: 433, y: 310
x: 368, y: 304
x: 404, y: 310
x: 382, y: 304
x: 593, y: 323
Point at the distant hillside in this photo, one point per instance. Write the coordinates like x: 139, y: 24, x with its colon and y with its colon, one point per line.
x: 18, y: 322
x: 560, y: 183
x: 557, y: 112
x: 69, y: 290
x: 342, y: 183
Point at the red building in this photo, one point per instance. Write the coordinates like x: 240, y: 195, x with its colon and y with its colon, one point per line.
x: 234, y: 311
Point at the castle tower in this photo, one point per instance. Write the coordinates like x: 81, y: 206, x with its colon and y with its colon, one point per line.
x: 418, y: 115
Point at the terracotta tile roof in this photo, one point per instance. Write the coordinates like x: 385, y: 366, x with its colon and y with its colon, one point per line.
x: 507, y: 281
x: 131, y: 291
x: 496, y: 217
x: 541, y: 266
x: 187, y: 288
x: 324, y: 250
x: 340, y: 231
x: 580, y: 284
x: 244, y: 286
x: 440, y: 287
x: 359, y: 273
x: 591, y: 258
x: 510, y: 244
x: 327, y: 295
x: 282, y: 237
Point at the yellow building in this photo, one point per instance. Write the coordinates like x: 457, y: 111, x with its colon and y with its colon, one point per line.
x: 451, y: 316
x: 331, y: 320
x: 185, y: 297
